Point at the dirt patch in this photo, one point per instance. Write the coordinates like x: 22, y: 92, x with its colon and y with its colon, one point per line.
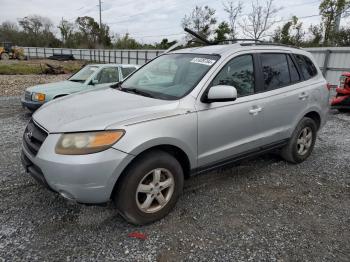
x: 14, y: 85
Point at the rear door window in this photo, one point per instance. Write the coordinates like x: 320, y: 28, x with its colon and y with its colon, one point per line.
x: 308, y: 69
x: 275, y: 71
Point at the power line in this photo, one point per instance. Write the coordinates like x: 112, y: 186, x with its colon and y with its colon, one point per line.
x: 162, y: 35
x: 169, y: 28
x: 301, y: 17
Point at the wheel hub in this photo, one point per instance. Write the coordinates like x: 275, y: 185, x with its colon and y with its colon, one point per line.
x: 155, y: 190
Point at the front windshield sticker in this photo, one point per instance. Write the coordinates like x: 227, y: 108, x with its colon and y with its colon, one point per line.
x: 203, y: 61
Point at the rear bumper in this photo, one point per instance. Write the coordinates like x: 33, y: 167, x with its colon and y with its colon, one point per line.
x: 31, y: 105
x: 82, y: 178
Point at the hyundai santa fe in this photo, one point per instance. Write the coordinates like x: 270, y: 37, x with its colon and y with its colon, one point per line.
x: 183, y: 113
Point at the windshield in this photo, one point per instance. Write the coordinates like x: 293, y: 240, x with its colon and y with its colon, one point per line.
x: 83, y: 74
x: 170, y: 76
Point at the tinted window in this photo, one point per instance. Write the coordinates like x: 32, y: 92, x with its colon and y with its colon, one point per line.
x: 275, y: 70
x: 294, y: 75
x: 308, y: 69
x: 127, y: 71
x: 239, y: 72
x: 108, y: 75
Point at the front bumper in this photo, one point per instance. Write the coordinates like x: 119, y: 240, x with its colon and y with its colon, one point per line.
x: 31, y: 105
x: 83, y: 178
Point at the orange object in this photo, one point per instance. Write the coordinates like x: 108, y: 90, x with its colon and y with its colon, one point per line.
x: 138, y: 235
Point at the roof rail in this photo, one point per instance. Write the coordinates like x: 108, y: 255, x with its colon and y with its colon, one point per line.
x: 235, y: 40
x: 270, y: 43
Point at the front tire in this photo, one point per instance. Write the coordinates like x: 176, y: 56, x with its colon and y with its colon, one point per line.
x: 149, y: 188
x: 302, y: 142
x: 5, y: 56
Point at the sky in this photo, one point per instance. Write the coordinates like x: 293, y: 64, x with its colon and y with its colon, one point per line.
x: 147, y: 21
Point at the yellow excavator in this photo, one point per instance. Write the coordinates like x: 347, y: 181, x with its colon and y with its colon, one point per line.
x: 9, y: 51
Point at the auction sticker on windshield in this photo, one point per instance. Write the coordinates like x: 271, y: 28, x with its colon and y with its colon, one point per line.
x: 203, y: 61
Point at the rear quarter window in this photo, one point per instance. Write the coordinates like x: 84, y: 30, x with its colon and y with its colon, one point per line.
x: 127, y: 71
x: 307, y: 67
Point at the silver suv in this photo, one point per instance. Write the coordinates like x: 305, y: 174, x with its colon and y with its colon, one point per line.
x: 183, y: 113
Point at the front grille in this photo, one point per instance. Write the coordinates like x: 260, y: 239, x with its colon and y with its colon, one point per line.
x: 27, y: 95
x: 33, y: 137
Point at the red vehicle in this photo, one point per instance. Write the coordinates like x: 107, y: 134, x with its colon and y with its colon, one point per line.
x: 342, y: 100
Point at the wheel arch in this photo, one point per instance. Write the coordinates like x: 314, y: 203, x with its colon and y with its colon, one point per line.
x: 314, y: 115
x: 59, y: 95
x: 179, y: 154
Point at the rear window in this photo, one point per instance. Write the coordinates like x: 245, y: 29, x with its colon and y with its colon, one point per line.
x: 308, y: 69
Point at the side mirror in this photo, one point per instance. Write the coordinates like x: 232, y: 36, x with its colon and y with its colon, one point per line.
x: 94, y: 81
x: 221, y: 93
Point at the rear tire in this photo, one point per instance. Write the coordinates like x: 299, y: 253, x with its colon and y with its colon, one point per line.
x: 302, y: 142
x: 149, y: 188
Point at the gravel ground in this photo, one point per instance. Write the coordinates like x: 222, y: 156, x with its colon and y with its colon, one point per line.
x: 14, y: 85
x: 260, y: 210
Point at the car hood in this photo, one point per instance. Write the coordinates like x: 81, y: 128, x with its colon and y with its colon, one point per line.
x: 55, y: 87
x: 99, y: 109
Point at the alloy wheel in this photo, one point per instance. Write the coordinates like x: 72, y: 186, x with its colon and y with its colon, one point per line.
x: 155, y: 190
x: 304, y: 141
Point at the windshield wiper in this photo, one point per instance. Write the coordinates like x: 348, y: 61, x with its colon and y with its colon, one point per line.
x: 77, y: 80
x: 117, y: 85
x: 137, y: 91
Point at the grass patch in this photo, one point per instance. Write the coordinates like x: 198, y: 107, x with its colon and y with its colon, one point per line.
x: 25, y: 68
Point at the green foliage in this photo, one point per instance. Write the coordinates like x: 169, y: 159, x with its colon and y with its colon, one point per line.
x: 291, y: 33
x: 222, y: 31
x: 201, y: 20
x: 164, y: 44
x: 126, y: 42
x: 330, y: 10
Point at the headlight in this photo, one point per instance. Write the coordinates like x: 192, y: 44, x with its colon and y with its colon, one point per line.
x: 87, y: 142
x: 38, y: 97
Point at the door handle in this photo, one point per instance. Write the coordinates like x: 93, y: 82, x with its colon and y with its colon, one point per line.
x: 255, y: 110
x: 303, y: 96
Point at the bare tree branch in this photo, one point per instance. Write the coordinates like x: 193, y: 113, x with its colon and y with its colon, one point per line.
x: 257, y: 23
x: 233, y: 11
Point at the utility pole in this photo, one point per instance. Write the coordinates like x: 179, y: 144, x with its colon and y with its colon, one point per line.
x: 100, y: 7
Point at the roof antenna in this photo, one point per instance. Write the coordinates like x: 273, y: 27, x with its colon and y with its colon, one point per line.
x: 184, y: 41
x: 197, y: 36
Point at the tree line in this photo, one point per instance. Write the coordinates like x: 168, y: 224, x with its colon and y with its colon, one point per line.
x: 258, y: 24
x: 260, y: 21
x: 84, y: 32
